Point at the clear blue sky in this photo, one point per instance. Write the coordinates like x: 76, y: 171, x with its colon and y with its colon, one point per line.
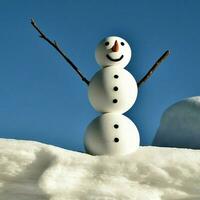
x: 42, y: 99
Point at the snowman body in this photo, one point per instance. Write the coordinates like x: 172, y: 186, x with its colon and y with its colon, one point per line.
x: 112, y: 91
x: 111, y: 134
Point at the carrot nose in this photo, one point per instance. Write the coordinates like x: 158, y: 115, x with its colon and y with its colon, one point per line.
x: 115, y: 47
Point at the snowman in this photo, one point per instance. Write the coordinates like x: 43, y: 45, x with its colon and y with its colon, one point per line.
x: 111, y: 91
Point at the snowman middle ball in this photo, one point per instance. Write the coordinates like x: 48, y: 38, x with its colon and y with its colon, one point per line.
x: 112, y: 89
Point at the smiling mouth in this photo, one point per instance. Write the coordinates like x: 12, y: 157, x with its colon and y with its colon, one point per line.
x: 115, y: 60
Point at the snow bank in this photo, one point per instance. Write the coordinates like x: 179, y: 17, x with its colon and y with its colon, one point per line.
x: 36, y: 171
x: 180, y: 125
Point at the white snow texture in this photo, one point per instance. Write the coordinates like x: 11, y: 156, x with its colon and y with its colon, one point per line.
x: 180, y: 125
x: 35, y: 171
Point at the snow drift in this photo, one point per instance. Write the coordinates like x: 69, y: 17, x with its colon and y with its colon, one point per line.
x: 180, y: 125
x: 36, y: 171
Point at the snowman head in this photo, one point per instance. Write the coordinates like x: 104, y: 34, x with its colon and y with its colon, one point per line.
x: 113, y: 51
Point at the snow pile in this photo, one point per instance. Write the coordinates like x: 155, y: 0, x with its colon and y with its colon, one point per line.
x: 35, y: 171
x: 180, y: 125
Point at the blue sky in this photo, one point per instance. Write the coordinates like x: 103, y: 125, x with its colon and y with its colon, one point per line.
x: 42, y: 99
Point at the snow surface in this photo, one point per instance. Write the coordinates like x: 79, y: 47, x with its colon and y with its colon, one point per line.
x: 180, y: 125
x: 35, y: 171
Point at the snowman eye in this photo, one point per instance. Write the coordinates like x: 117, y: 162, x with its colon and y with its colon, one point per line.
x: 122, y: 43
x: 106, y: 43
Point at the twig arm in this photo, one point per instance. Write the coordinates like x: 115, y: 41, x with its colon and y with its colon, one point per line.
x: 154, y: 67
x: 55, y: 45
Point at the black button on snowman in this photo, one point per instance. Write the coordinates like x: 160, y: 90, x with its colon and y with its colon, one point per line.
x: 112, y: 91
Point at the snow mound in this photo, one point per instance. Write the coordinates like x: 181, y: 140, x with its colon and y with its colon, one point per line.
x: 180, y: 125
x: 35, y: 171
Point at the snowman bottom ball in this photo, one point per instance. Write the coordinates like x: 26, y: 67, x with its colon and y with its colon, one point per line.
x: 111, y: 134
